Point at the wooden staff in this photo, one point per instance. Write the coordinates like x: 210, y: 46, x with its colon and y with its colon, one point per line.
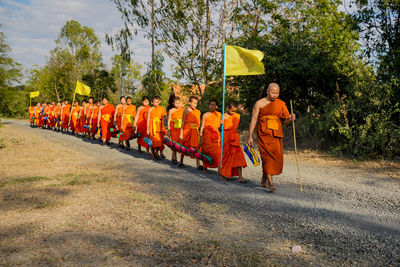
x: 295, y: 147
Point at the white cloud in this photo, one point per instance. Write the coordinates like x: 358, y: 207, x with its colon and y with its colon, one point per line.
x: 32, y: 27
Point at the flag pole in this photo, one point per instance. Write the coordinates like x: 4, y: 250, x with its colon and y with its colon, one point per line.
x: 223, y: 106
x: 295, y: 147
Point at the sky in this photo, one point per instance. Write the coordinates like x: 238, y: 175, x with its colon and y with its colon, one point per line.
x: 32, y: 26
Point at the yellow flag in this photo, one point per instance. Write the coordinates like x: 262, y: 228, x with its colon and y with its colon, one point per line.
x: 34, y: 94
x: 242, y: 61
x: 82, y: 89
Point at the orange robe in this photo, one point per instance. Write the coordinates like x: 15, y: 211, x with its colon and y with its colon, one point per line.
x: 57, y: 113
x: 233, y: 156
x: 37, y: 116
x: 156, y: 126
x: 127, y: 124
x: 75, y: 119
x: 211, y: 142
x: 95, y: 112
x: 82, y: 120
x: 118, y: 117
x: 88, y: 111
x: 31, y: 111
x: 176, y: 124
x: 65, y: 115
x: 106, y: 121
x: 142, y: 126
x: 270, y: 134
x: 52, y: 116
x: 191, y: 129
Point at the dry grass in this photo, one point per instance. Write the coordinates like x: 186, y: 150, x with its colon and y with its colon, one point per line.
x: 60, y: 207
x: 384, y: 167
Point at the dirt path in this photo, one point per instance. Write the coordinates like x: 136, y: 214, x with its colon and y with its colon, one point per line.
x: 346, y: 216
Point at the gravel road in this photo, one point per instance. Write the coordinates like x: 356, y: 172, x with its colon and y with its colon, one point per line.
x: 351, y: 216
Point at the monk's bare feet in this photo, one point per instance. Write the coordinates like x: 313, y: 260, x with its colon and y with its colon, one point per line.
x: 223, y: 178
x: 241, y: 180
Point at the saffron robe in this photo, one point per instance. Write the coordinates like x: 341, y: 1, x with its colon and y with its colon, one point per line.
x: 211, y: 141
x: 95, y: 113
x: 233, y: 156
x: 127, y: 123
x: 142, y: 126
x: 156, y: 126
x: 191, y: 129
x: 270, y: 134
x: 75, y: 119
x: 65, y: 115
x: 31, y: 111
x: 176, y: 124
x: 106, y: 121
x: 118, y: 117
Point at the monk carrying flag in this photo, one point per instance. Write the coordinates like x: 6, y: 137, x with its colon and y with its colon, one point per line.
x: 267, y: 115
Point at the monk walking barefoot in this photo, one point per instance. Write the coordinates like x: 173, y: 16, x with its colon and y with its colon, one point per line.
x: 118, y: 117
x: 267, y: 114
x: 105, y: 120
x: 140, y: 123
x: 209, y: 136
x: 233, y: 157
x: 190, y: 129
x: 155, y: 128
x: 175, y: 114
x: 128, y: 116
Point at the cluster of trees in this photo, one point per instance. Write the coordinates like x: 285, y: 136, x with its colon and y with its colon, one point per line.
x: 341, y: 68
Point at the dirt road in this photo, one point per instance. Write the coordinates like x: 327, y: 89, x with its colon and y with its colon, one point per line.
x: 345, y: 216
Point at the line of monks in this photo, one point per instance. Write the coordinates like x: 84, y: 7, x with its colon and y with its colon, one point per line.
x: 183, y: 125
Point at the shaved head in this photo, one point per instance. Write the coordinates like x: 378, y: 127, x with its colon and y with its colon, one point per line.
x: 273, y: 91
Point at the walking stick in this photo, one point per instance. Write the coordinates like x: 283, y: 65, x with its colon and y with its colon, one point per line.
x: 295, y: 148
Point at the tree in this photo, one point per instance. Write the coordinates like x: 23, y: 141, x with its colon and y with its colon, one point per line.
x: 11, y: 96
x: 132, y: 73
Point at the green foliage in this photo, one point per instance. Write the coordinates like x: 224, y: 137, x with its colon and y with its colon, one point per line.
x: 132, y: 74
x: 12, y: 98
x: 153, y: 81
x: 101, y: 83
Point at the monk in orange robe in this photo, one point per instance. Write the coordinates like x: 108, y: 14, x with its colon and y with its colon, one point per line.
x: 57, y: 114
x: 233, y: 157
x: 52, y: 115
x: 175, y: 115
x: 43, y: 115
x: 190, y: 129
x: 155, y: 128
x: 209, y: 136
x: 31, y: 114
x: 94, y: 118
x: 105, y: 120
x: 140, y: 123
x: 88, y: 115
x: 37, y: 110
x: 118, y: 117
x: 65, y: 110
x: 128, y: 117
x: 82, y: 120
x: 268, y: 113
x: 75, y: 118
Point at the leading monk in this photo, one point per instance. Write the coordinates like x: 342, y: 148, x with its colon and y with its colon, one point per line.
x: 268, y: 114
